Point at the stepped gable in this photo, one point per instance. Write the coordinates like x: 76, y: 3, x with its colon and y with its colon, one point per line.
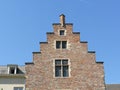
x: 64, y: 63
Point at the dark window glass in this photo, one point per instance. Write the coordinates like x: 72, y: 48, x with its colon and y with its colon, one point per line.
x: 61, y: 44
x: 58, y: 44
x: 18, y: 88
x: 64, y: 44
x: 12, y: 70
x: 61, y: 68
x: 62, y: 32
x: 58, y: 71
x: 57, y: 62
x: 65, y: 62
x: 65, y: 71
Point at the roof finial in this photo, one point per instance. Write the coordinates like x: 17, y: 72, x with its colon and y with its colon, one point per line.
x: 62, y: 20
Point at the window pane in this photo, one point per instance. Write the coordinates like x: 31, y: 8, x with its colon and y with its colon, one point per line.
x: 58, y: 44
x: 64, y: 44
x: 12, y: 70
x: 65, y: 71
x: 18, y: 88
x: 65, y: 62
x: 57, y: 71
x: 62, y: 32
x: 57, y: 62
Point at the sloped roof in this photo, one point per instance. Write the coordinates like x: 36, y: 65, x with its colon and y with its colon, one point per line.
x: 4, y: 69
x: 112, y: 86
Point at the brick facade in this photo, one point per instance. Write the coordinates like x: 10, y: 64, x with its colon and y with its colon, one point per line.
x: 84, y: 72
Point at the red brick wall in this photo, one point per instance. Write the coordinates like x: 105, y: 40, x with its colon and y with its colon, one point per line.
x: 85, y: 72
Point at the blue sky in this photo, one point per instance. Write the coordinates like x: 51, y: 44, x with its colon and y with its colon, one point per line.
x: 24, y: 23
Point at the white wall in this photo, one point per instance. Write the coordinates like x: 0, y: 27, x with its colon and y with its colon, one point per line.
x: 11, y: 86
x: 10, y: 83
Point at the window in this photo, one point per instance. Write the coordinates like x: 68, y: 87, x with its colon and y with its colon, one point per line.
x: 62, y: 32
x: 18, y: 88
x: 61, y: 68
x: 61, y: 44
x: 58, y: 44
x: 64, y: 43
x: 12, y: 69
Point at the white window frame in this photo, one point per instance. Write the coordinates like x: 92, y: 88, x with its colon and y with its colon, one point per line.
x: 62, y: 30
x: 10, y: 68
x: 69, y: 67
x: 61, y: 47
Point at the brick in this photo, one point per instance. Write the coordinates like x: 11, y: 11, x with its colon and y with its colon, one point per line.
x: 85, y: 73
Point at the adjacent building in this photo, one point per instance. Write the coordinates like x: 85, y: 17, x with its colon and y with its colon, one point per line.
x: 12, y: 77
